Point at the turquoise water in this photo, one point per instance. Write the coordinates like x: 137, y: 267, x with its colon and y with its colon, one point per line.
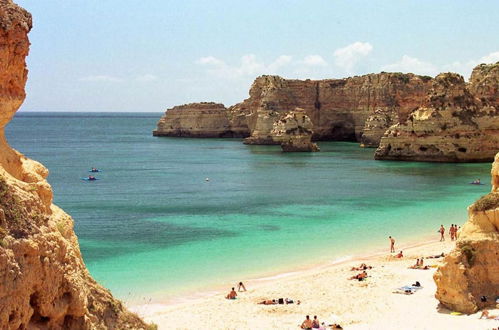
x: 153, y: 228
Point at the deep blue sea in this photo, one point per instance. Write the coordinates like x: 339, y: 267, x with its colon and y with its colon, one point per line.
x: 152, y: 227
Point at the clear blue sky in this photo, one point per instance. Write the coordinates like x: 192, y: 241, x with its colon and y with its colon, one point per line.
x: 148, y: 55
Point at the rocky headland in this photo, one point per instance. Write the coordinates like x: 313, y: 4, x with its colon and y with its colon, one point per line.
x: 458, y: 122
x: 409, y: 117
x: 44, y: 283
x: 471, y: 270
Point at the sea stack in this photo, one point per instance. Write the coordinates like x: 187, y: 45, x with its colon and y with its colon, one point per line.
x: 44, y: 283
x: 294, y: 131
x: 471, y: 270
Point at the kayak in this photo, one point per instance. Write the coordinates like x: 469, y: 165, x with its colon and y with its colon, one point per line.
x: 477, y: 183
x: 94, y: 171
x: 88, y: 179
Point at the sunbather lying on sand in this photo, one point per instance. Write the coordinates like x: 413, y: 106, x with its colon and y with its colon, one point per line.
x: 360, y: 276
x: 268, y: 302
x: 486, y: 314
x: 362, y: 267
x: 436, y: 256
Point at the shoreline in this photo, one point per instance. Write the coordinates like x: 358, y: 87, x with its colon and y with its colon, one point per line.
x: 268, y: 278
x: 325, y: 291
x: 288, y: 271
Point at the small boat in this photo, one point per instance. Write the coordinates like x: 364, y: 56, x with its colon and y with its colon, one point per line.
x: 90, y: 179
x: 477, y: 183
x: 94, y: 170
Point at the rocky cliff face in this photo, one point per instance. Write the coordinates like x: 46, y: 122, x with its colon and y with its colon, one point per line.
x: 338, y: 108
x: 472, y: 269
x: 458, y: 122
x: 205, y: 120
x: 44, y: 283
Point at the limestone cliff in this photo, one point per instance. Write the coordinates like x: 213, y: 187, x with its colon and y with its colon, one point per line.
x: 337, y: 108
x: 458, y: 122
x: 472, y: 269
x: 205, y: 120
x: 44, y: 283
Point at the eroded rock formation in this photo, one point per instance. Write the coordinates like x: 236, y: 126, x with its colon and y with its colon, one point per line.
x: 44, y: 283
x: 458, y: 122
x: 206, y: 120
x: 471, y: 270
x: 338, y: 108
x: 294, y: 132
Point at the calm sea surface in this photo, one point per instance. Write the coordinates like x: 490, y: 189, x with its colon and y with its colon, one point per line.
x: 153, y: 228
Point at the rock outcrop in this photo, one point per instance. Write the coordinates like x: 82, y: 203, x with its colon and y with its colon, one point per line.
x: 44, y: 283
x: 203, y: 120
x: 458, y: 122
x: 471, y: 270
x: 294, y: 132
x: 337, y: 108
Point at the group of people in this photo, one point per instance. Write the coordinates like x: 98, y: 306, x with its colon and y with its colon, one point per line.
x: 310, y: 324
x: 233, y: 294
x: 419, y: 264
x: 452, y: 232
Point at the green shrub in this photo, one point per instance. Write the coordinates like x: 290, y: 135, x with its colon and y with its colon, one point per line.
x: 487, y: 202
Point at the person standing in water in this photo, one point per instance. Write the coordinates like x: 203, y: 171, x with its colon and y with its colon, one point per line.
x: 442, y: 233
x: 392, y: 244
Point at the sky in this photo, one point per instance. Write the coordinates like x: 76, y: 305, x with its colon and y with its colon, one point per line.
x: 149, y: 55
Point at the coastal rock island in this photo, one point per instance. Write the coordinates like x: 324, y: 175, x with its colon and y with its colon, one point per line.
x: 44, y: 283
x: 471, y: 270
x: 405, y: 116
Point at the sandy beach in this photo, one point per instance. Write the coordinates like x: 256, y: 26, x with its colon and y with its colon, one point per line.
x: 325, y: 291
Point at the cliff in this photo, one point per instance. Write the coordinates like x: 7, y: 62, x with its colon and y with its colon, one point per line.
x: 471, y: 271
x: 337, y: 108
x: 458, y: 122
x: 202, y: 120
x: 44, y: 283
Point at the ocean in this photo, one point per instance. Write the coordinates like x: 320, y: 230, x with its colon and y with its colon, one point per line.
x: 153, y: 228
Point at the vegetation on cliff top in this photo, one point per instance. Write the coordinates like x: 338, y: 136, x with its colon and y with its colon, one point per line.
x: 487, y: 202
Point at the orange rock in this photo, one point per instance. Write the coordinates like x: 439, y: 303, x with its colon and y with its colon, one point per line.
x: 471, y: 270
x: 44, y: 283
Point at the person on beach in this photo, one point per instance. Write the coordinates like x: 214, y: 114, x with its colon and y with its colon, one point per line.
x: 232, y: 294
x: 315, y: 323
x: 362, y: 266
x: 360, y: 276
x: 442, y: 233
x: 268, y: 302
x: 399, y: 255
x: 307, y: 324
x: 485, y: 314
x: 392, y: 244
x: 241, y: 286
x: 416, y: 265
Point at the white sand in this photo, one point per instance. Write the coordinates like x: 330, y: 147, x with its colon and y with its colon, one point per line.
x: 326, y: 292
